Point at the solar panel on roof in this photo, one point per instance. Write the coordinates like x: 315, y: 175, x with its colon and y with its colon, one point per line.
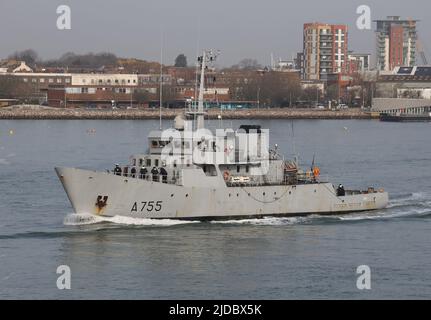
x: 423, y: 71
x: 405, y: 70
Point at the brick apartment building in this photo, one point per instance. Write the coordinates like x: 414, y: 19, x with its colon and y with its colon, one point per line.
x: 325, y: 48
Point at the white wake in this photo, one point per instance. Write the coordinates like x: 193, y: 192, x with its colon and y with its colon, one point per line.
x: 77, y: 219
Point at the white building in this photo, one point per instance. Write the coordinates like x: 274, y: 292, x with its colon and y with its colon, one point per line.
x: 99, y: 79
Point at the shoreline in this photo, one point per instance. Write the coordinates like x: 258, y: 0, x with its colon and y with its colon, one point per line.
x: 31, y: 113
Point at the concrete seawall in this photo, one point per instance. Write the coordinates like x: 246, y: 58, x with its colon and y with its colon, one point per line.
x: 140, y: 114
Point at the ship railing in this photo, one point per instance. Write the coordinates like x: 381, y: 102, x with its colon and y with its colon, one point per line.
x: 287, y: 181
x: 168, y: 179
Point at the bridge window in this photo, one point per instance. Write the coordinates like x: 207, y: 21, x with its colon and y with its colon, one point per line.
x: 156, y: 162
x: 148, y: 162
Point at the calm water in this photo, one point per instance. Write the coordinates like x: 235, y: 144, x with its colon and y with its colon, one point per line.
x: 312, y: 257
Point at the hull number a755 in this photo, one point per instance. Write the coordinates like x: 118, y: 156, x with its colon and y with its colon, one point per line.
x: 148, y: 206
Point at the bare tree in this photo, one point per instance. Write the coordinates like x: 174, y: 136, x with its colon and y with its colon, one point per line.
x: 29, y: 56
x: 181, y: 61
x: 247, y: 64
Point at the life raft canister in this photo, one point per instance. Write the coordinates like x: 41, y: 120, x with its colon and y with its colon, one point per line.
x: 316, y: 171
x: 226, y: 175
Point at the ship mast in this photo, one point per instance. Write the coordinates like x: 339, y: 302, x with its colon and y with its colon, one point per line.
x: 198, y: 113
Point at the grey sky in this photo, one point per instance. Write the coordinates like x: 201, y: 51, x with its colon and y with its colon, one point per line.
x: 239, y: 28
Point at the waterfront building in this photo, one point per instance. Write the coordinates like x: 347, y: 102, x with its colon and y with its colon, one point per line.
x: 358, y: 62
x: 396, y: 42
x: 324, y: 50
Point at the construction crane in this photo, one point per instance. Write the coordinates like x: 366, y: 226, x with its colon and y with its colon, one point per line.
x: 421, y: 51
x: 419, y: 44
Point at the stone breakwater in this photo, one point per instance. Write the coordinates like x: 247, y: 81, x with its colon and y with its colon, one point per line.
x: 140, y: 114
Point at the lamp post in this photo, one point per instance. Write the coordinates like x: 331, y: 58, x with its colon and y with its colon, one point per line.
x: 258, y: 98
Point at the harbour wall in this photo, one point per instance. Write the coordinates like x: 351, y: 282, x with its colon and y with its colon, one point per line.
x: 141, y: 114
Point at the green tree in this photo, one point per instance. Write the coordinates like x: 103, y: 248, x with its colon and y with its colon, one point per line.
x: 181, y: 61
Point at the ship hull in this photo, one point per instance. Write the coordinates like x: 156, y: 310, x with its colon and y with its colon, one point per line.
x: 105, y: 194
x: 404, y: 118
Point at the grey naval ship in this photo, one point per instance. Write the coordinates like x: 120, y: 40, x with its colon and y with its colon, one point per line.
x: 191, y: 173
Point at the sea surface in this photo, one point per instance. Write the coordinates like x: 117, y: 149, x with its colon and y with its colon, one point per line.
x: 310, y: 257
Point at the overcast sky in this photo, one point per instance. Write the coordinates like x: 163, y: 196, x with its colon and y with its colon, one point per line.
x: 239, y: 28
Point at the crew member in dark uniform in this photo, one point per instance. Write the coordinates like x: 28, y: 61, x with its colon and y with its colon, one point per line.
x: 340, y: 191
x: 155, y: 174
x: 143, y: 173
x: 133, y: 172
x: 117, y: 170
x: 164, y: 175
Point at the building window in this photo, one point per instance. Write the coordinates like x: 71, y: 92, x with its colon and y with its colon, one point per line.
x: 51, y: 80
x: 67, y: 80
x: 41, y: 80
x: 25, y: 80
x: 58, y: 80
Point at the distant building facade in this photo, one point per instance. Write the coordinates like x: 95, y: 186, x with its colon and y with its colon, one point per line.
x: 396, y: 42
x: 358, y: 62
x: 324, y: 50
x: 14, y: 66
x: 405, y: 82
